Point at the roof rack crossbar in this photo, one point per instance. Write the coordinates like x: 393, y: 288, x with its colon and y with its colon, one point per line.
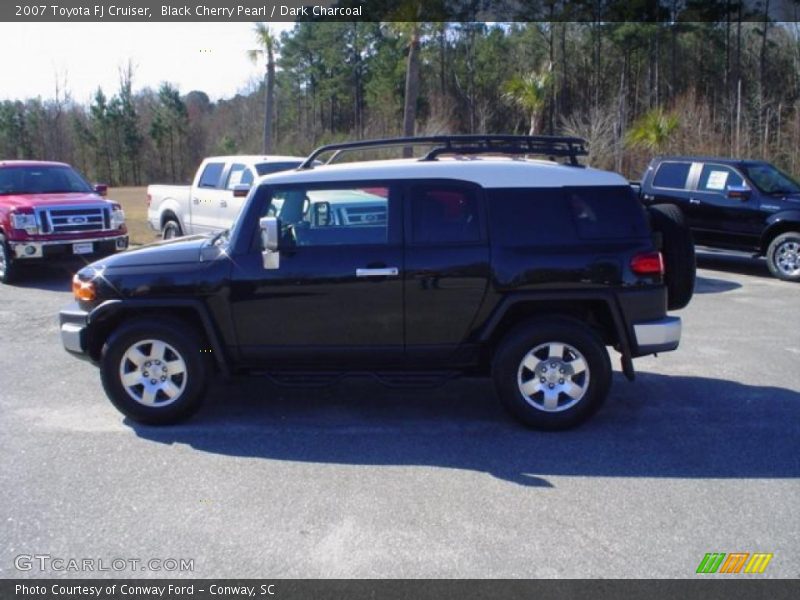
x: 552, y: 146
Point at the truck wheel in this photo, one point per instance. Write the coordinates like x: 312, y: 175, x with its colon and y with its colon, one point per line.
x: 783, y: 256
x: 552, y: 373
x: 678, y: 252
x: 171, y: 229
x: 8, y: 268
x: 153, y: 372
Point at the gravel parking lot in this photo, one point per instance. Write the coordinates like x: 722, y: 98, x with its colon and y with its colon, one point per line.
x: 699, y: 455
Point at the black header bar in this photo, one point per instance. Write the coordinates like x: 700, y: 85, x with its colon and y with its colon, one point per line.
x: 389, y: 10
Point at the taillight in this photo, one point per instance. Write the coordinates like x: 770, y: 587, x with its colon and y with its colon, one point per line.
x: 149, y: 200
x: 648, y: 263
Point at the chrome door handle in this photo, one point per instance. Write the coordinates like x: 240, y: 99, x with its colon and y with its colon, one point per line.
x: 223, y: 203
x: 694, y: 201
x: 195, y: 200
x: 384, y: 272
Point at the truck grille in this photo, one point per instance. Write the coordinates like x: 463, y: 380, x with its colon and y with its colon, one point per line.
x: 74, y: 220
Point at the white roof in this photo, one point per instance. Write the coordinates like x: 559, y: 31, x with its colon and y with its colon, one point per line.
x: 487, y: 171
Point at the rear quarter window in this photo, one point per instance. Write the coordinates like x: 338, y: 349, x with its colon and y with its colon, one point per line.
x: 606, y: 212
x: 552, y: 216
x: 672, y: 175
x: 529, y: 216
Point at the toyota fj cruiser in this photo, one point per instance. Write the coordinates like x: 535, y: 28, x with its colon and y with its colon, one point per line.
x: 472, y: 258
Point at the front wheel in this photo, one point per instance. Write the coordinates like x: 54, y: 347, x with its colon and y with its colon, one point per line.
x: 8, y: 268
x: 153, y: 372
x: 552, y: 373
x: 783, y: 256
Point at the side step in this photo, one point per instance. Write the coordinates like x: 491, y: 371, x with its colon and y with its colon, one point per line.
x: 392, y: 379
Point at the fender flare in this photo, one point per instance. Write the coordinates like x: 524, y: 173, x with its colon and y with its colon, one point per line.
x: 623, y: 329
x: 110, y: 308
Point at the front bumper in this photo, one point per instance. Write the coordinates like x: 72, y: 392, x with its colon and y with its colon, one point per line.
x: 73, y: 321
x: 661, y: 335
x: 44, y: 249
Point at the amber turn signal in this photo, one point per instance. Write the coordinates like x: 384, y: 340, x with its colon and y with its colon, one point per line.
x: 83, y: 290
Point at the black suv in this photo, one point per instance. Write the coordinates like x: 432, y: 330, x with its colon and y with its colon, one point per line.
x: 458, y: 261
x: 747, y: 205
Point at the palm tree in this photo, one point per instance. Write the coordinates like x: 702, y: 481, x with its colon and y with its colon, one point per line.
x: 653, y: 130
x: 529, y: 92
x: 268, y: 46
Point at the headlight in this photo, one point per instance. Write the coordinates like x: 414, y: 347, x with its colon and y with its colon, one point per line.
x: 26, y: 221
x: 83, y: 290
x: 117, y: 218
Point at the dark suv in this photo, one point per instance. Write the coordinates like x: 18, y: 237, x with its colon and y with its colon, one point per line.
x: 458, y: 261
x: 745, y: 205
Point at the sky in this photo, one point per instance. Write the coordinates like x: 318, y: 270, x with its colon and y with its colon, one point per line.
x: 211, y: 57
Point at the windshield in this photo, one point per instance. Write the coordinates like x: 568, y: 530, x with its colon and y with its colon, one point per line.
x: 770, y: 180
x: 39, y: 179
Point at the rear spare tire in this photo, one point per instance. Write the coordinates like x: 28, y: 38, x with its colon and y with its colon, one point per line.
x: 677, y: 248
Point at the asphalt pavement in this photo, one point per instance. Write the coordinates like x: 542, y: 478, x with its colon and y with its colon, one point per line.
x: 700, y: 454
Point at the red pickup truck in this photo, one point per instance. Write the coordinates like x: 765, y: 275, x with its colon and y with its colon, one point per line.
x: 47, y: 209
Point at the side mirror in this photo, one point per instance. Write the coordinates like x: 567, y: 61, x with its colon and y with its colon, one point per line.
x: 240, y: 190
x: 742, y: 192
x: 101, y: 188
x: 270, y: 234
x: 321, y: 214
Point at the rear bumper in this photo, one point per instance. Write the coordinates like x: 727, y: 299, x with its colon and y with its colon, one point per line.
x: 661, y: 335
x: 45, y: 249
x: 72, y: 325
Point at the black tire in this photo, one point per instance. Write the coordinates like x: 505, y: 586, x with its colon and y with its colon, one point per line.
x: 678, y: 252
x: 171, y: 229
x: 8, y: 266
x: 181, y: 342
x: 783, y: 256
x: 511, y: 372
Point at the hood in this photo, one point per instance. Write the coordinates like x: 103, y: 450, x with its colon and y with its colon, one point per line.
x: 167, y: 252
x: 38, y: 200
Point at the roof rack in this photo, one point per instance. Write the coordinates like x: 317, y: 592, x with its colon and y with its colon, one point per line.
x: 544, y: 145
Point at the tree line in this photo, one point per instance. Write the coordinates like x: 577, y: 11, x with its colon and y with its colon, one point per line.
x: 723, y: 86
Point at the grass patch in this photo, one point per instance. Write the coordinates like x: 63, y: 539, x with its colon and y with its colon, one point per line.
x: 134, y: 202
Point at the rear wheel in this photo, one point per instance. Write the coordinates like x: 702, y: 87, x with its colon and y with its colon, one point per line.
x: 783, y: 256
x: 8, y: 268
x: 678, y: 252
x: 552, y: 373
x: 171, y: 229
x: 153, y: 372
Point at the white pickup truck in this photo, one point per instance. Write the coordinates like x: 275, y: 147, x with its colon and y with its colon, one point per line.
x: 215, y: 197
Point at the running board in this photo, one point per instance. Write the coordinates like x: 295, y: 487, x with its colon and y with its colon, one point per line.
x: 392, y: 379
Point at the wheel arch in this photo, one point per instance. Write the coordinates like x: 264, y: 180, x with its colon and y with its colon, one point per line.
x: 600, y: 311
x: 777, y: 224
x: 169, y: 207
x: 107, y: 317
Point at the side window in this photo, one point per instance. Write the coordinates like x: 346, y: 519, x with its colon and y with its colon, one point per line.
x: 211, y: 175
x: 443, y: 213
x: 332, y: 217
x: 239, y: 174
x: 672, y: 175
x: 529, y: 217
x: 717, y: 178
